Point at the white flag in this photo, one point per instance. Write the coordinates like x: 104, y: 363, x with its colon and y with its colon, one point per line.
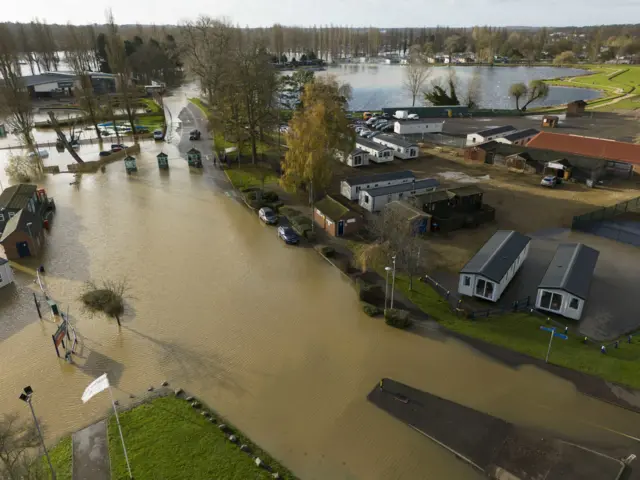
x: 98, y: 385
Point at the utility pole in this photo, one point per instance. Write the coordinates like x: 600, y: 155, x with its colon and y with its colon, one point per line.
x: 25, y: 396
x: 393, y: 280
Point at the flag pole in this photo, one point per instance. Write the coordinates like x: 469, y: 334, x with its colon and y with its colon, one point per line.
x: 115, y: 410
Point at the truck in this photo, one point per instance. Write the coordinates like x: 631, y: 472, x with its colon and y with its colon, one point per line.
x: 402, y: 114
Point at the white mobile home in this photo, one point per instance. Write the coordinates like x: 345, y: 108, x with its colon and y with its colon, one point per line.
x: 6, y: 274
x: 357, y: 158
x: 350, y: 187
x: 401, y: 148
x: 417, y: 127
x: 489, y: 134
x: 521, y: 137
x: 565, y: 286
x: 377, y: 153
x: 490, y: 270
x: 375, y: 199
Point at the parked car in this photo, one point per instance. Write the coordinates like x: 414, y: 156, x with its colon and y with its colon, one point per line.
x: 158, y: 135
x: 116, y: 147
x: 40, y: 153
x: 194, y: 135
x: 413, y: 116
x: 268, y: 216
x: 549, y: 181
x: 381, y: 125
x: 364, y: 132
x: 105, y: 153
x: 288, y: 235
x: 386, y: 116
x: 359, y: 129
x: 141, y: 129
x: 374, y: 134
x: 366, y: 115
x: 372, y: 121
x: 387, y: 128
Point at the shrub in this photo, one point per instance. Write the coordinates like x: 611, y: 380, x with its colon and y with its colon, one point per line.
x: 367, y: 292
x: 309, y: 235
x: 370, y: 310
x: 327, y: 251
x: 397, y: 318
x: 270, y: 197
x: 291, y: 212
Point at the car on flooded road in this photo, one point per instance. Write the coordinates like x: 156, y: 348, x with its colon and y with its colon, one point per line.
x: 288, y: 235
x: 268, y: 216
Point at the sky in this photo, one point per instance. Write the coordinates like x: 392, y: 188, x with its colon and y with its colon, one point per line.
x: 379, y: 13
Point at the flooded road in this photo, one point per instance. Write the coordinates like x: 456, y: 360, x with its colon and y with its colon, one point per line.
x: 271, y: 336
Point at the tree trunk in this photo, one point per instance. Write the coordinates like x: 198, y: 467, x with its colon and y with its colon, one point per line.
x: 63, y: 138
x: 118, y: 320
x: 517, y: 103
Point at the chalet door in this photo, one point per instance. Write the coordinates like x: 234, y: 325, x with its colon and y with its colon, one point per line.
x: 341, y: 228
x: 23, y: 249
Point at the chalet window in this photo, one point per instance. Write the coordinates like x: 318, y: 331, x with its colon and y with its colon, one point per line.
x: 366, y: 199
x: 466, y: 280
x: 412, y: 152
x: 11, y: 214
x: 480, y: 287
x: 574, y: 303
x: 357, y: 189
x: 376, y: 185
x: 473, y: 140
x: 1, y: 217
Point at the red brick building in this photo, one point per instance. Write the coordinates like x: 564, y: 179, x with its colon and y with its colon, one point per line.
x: 336, y: 219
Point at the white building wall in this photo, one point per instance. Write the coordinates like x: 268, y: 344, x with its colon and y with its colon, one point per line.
x: 350, y: 160
x: 6, y: 275
x: 46, y: 87
x: 464, y: 289
x: 352, y: 192
x: 475, y: 139
x: 398, y: 151
x: 566, y: 309
x: 377, y: 203
x: 417, y: 127
x: 520, y: 141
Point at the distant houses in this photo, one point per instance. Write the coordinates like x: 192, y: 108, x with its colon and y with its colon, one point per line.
x: 376, y: 152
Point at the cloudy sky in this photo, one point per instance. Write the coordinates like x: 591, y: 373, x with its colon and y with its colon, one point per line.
x: 381, y: 13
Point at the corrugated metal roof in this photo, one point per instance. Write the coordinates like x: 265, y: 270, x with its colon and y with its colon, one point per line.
x: 395, y: 140
x: 378, y: 177
x: 529, y: 132
x: 17, y: 196
x: 403, y: 187
x: 365, y: 142
x: 571, y: 269
x: 465, y: 191
x: 495, y: 258
x: 495, y: 131
x: 431, y: 197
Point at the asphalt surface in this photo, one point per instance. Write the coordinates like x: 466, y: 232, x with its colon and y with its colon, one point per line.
x: 91, y: 453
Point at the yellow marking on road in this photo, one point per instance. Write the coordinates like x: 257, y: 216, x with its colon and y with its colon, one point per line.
x: 22, y: 268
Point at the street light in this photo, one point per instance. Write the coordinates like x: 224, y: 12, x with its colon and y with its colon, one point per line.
x: 393, y: 280
x: 25, y: 396
x: 29, y: 228
x: 386, y: 286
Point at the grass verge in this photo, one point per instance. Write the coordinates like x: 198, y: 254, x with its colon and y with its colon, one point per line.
x: 521, y: 332
x: 168, y: 439
x: 61, y: 460
x: 246, y: 176
x: 151, y: 105
x: 200, y: 104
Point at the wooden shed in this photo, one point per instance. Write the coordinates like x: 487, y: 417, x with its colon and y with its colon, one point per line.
x: 550, y: 121
x: 163, y: 160
x: 576, y: 109
x: 194, y: 158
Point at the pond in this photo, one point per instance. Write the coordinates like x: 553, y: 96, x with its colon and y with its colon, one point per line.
x: 377, y: 86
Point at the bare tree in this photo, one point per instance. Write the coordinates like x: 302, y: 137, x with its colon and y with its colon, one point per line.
x: 16, y: 441
x: 120, y: 65
x: 15, y: 102
x: 473, y: 94
x: 416, y: 72
x: 108, y: 298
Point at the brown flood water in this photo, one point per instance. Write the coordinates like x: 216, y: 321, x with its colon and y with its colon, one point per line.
x: 271, y: 336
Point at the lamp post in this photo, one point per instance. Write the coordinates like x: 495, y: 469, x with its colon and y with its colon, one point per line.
x: 29, y: 228
x: 25, y: 396
x: 393, y: 279
x: 386, y: 287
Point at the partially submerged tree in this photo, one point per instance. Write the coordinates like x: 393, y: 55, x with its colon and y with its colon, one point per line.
x: 416, y: 72
x: 23, y: 169
x: 473, y: 95
x: 518, y: 91
x: 107, y: 298
x: 443, y: 94
x: 537, y: 90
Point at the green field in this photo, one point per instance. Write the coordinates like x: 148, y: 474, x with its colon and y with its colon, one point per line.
x: 167, y: 439
x: 61, y: 460
x: 521, y: 332
x: 614, y: 80
x: 251, y: 176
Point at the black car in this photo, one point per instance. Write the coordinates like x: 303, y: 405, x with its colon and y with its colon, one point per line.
x: 116, y: 147
x: 289, y: 235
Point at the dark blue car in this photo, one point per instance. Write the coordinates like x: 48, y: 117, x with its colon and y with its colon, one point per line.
x: 289, y: 236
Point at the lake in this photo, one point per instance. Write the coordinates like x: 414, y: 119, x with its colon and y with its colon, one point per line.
x: 377, y: 86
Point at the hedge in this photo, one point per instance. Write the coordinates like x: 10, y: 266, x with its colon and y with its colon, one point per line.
x: 397, y: 318
x: 370, y: 310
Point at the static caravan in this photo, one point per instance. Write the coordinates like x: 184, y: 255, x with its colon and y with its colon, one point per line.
x: 350, y: 187
x: 401, y: 148
x: 375, y: 199
x: 357, y: 158
x: 490, y: 270
x: 489, y: 134
x: 417, y: 127
x: 6, y: 274
x: 377, y: 153
x: 521, y: 137
x: 565, y: 286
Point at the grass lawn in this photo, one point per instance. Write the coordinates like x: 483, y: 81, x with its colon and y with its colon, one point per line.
x: 150, y: 104
x: 521, y: 332
x: 152, y: 122
x: 245, y: 176
x: 167, y: 439
x: 200, y: 105
x: 61, y: 460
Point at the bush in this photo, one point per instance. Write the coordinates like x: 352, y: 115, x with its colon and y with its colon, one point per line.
x: 327, y: 251
x: 370, y: 310
x: 270, y: 197
x: 397, y: 318
x: 368, y: 292
x: 291, y: 212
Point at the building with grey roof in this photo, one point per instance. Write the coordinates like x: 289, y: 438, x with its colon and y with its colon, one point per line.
x: 490, y: 270
x: 377, y: 153
x: 403, y: 149
x: 489, y: 134
x: 374, y: 199
x: 520, y: 137
x: 49, y: 84
x: 350, y: 187
x: 565, y: 286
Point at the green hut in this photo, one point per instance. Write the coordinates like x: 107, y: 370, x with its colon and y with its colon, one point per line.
x: 194, y: 158
x: 3, y: 130
x: 130, y: 164
x: 163, y: 160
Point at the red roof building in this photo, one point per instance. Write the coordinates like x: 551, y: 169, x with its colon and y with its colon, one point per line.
x: 587, y: 146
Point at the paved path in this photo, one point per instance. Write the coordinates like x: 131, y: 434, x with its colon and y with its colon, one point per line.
x: 91, y: 453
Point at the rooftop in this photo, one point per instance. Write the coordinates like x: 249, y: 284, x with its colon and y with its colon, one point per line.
x: 394, y: 140
x: 52, y: 77
x: 495, y: 131
x: 571, y: 269
x: 465, y: 191
x: 366, y: 143
x: 405, y: 210
x: 379, y: 177
x: 529, y: 132
x: 420, y: 120
x: 403, y: 187
x: 431, y: 197
x: 19, y: 222
x: 332, y: 208
x: 17, y: 196
x: 495, y: 258
x: 588, y: 146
